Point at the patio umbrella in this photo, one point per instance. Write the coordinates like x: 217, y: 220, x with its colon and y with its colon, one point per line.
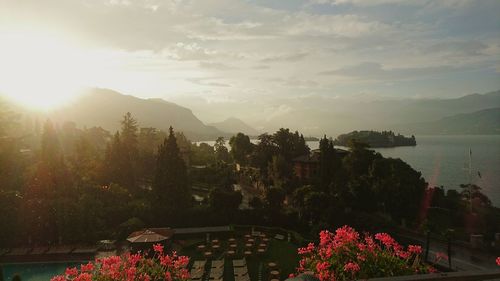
x: 146, y: 236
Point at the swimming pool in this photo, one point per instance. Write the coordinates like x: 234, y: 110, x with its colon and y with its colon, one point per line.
x: 35, y: 271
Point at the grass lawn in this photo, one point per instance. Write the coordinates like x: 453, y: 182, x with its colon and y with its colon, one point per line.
x: 284, y: 254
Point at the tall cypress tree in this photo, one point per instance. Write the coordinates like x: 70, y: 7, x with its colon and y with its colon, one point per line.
x: 171, y: 183
x: 129, y: 151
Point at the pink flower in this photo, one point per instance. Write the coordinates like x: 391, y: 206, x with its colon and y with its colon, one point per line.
x: 386, y: 239
x: 134, y: 259
x: 346, y: 234
x: 71, y: 271
x: 415, y: 249
x: 83, y: 277
x: 325, y: 237
x: 441, y: 256
x: 306, y: 250
x: 131, y: 268
x: 87, y: 267
x: 498, y: 261
x: 360, y: 257
x: 158, y: 248
x: 346, y: 255
x: 403, y: 254
x: 351, y: 267
x: 322, y: 266
x: 168, y: 276
x: 131, y: 271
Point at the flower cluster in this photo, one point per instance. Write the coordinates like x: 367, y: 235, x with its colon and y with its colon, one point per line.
x: 347, y: 255
x: 498, y: 261
x: 131, y: 267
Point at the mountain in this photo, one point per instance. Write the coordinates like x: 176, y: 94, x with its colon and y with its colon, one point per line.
x: 105, y: 108
x: 486, y: 121
x: 318, y: 115
x: 234, y: 125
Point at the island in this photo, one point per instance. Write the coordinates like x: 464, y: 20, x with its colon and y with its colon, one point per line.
x: 376, y: 139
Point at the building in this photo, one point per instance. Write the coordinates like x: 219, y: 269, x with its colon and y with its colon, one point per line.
x: 307, y: 166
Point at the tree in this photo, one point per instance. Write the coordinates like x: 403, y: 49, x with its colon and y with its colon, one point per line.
x: 117, y: 165
x: 11, y: 161
x: 171, y: 180
x: 241, y: 147
x: 47, y: 196
x: 85, y: 161
x: 280, y: 172
x: 221, y: 152
x: 274, y: 198
x: 129, y: 151
x: 7, y: 119
x: 263, y: 154
x: 290, y: 145
x: 129, y: 132
x: 472, y: 191
x: 202, y: 154
x: 225, y: 200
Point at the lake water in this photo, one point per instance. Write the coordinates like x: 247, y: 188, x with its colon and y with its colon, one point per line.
x: 34, y: 271
x: 442, y: 159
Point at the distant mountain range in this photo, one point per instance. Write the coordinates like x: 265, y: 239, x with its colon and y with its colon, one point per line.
x: 313, y: 116
x: 234, y: 125
x: 318, y: 115
x: 486, y: 121
x: 105, y: 108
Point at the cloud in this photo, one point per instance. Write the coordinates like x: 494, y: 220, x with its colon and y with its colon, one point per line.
x: 347, y: 25
x: 359, y: 2
x: 285, y: 57
x: 205, y: 81
x: 278, y: 111
x: 375, y: 71
x: 216, y: 65
x: 188, y: 51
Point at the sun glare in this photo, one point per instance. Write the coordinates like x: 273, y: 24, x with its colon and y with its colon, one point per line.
x: 40, y: 70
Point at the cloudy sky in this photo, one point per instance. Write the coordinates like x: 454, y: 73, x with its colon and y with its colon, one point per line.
x: 255, y: 57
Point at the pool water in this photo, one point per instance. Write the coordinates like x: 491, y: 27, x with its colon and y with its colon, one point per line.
x: 34, y: 271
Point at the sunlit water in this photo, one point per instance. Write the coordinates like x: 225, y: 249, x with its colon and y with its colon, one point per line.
x: 442, y: 160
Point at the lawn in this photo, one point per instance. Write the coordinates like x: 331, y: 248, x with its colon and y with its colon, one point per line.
x: 283, y: 253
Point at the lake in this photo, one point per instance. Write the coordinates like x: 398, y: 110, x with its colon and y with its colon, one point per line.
x: 442, y: 159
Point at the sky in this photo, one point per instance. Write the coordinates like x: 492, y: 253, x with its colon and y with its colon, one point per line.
x: 256, y: 59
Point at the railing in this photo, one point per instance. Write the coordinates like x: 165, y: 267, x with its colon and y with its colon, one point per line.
x: 450, y: 276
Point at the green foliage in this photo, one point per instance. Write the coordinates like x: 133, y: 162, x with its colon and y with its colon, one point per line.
x: 202, y: 154
x: 171, y: 183
x: 290, y: 145
x: 376, y: 139
x: 274, y: 198
x: 221, y: 152
x: 226, y: 201
x: 241, y: 147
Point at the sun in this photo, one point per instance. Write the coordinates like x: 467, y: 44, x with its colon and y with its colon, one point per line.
x: 40, y: 69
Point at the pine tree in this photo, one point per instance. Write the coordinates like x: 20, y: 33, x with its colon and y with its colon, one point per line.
x: 129, y: 133
x: 171, y: 183
x: 48, y: 191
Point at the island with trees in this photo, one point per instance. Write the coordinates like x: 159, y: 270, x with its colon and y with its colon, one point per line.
x: 376, y: 139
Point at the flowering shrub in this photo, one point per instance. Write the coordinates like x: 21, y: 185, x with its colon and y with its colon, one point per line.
x: 131, y: 267
x: 346, y: 255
